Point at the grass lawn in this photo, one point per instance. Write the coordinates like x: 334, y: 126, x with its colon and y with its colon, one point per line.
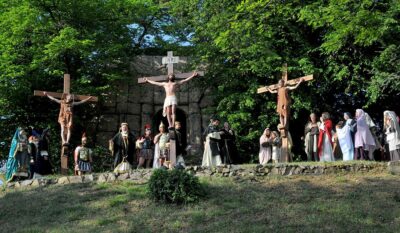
x: 330, y: 203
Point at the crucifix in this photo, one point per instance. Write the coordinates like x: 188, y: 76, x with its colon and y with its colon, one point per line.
x: 170, y: 102
x: 283, y: 106
x: 65, y: 118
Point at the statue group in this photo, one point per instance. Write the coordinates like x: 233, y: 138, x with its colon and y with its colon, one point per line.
x: 167, y: 148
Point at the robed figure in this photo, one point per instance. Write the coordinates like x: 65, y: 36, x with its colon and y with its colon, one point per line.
x: 392, y: 132
x: 39, y: 152
x: 311, y: 134
x: 363, y: 141
x: 18, y: 156
x: 181, y: 144
x: 212, y: 154
x: 229, y: 152
x: 265, y: 153
x: 343, y: 131
x: 122, y: 145
x: 325, y: 144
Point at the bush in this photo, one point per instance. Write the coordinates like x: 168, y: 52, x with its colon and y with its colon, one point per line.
x: 175, y: 186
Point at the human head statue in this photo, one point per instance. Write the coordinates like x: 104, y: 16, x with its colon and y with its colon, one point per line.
x: 84, y: 140
x: 124, y: 127
x: 68, y: 98
x: 281, y: 83
x: 214, y: 120
x: 359, y: 113
x: 339, y: 125
x: 267, y: 132
x: 161, y: 128
x: 171, y: 77
x: 325, y: 116
x: 178, y: 125
x: 313, y: 117
x: 274, y: 134
x: 389, y: 119
x: 347, y: 116
x: 147, y: 132
x: 226, y: 125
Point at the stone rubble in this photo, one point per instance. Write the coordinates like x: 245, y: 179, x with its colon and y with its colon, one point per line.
x: 235, y: 171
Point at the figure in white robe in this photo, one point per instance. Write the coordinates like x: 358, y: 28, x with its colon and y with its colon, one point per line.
x: 392, y: 131
x: 343, y: 132
x: 265, y: 154
x: 212, y: 155
x: 364, y: 141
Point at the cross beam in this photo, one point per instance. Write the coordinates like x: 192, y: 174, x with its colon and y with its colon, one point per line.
x: 288, y: 82
x: 169, y: 60
x: 164, y: 77
x: 59, y: 95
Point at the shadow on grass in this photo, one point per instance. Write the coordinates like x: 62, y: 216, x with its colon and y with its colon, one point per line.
x: 362, y: 203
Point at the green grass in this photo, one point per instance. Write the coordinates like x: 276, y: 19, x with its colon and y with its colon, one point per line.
x: 329, y: 203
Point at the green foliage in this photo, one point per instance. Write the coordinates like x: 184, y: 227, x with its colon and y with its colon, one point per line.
x: 175, y: 186
x: 94, y: 41
x: 351, y: 47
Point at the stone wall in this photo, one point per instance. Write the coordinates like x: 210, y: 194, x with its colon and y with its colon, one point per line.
x: 238, y: 171
x: 139, y: 104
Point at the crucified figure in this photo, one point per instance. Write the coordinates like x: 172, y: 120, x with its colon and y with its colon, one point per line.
x: 283, y: 105
x: 170, y: 101
x: 65, y: 117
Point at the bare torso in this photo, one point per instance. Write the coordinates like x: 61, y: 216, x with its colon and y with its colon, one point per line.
x: 170, y: 88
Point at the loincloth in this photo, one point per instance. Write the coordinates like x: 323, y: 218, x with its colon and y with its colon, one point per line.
x: 169, y: 101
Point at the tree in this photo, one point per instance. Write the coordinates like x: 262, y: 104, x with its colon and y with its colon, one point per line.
x: 94, y: 41
x: 350, y: 46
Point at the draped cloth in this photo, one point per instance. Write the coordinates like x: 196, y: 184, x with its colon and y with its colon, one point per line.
x: 393, y: 135
x: 363, y: 136
x: 156, y: 162
x: 211, y: 155
x: 346, y: 142
x: 12, y: 163
x: 311, y: 141
x: 325, y: 144
x: 265, y: 154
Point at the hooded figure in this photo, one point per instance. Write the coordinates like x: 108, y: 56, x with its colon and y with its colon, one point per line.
x: 363, y: 141
x: 18, y: 158
x: 392, y: 131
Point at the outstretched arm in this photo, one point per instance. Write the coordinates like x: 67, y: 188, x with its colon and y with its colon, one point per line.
x: 52, y: 98
x: 188, y: 79
x: 297, y: 85
x: 83, y: 101
x: 153, y: 82
x: 272, y: 91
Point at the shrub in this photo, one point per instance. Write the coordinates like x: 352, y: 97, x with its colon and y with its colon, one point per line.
x: 175, y: 186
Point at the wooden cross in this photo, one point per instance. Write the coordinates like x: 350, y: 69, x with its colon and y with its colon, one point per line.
x: 288, y: 82
x: 67, y: 85
x: 284, y: 131
x: 169, y: 60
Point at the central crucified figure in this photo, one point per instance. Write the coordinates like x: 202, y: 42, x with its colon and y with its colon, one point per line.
x: 284, y: 101
x: 171, y: 101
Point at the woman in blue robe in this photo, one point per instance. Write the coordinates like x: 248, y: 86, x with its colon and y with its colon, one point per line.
x: 18, y: 158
